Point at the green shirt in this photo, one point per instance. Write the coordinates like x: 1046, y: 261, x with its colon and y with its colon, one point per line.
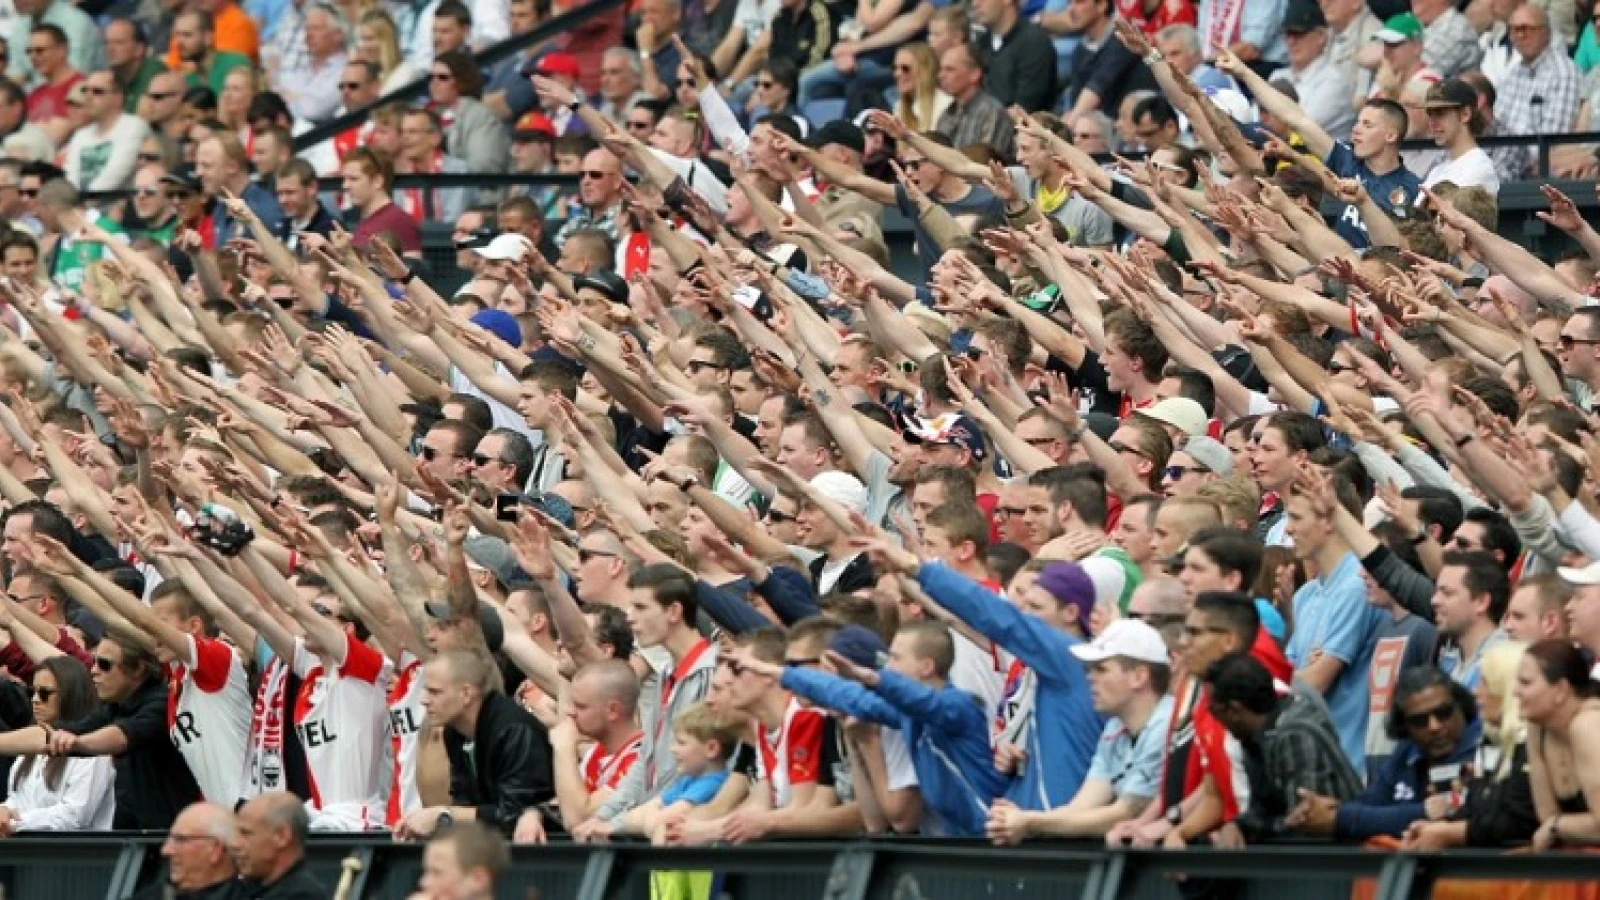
x: 69, y: 262
x: 222, y: 62
x: 136, y: 86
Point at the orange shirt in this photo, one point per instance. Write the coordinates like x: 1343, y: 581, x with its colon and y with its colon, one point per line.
x: 235, y: 33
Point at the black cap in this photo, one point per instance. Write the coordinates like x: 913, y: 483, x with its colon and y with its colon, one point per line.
x: 476, y: 238
x: 842, y: 132
x: 1303, y: 16
x: 183, y: 176
x: 607, y: 282
x: 1451, y: 94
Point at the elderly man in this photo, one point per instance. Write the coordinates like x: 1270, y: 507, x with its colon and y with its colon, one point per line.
x: 1324, y: 93
x: 198, y: 851
x: 102, y: 154
x: 1351, y: 30
x: 975, y: 117
x: 599, y: 197
x: 1449, y: 42
x: 1180, y: 47
x: 621, y: 74
x: 314, y: 94
x: 1540, y: 94
x: 270, y: 845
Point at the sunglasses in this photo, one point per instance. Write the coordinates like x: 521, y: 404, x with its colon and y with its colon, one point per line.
x: 43, y: 694
x: 351, y: 85
x: 803, y: 662
x: 1120, y: 447
x: 594, y: 175
x: 479, y: 459
x: 779, y: 518
x: 763, y: 85
x: 103, y: 664
x: 430, y: 453
x: 1006, y: 512
x: 1177, y: 472
x: 587, y: 555
x: 179, y: 195
x: 1568, y: 341
x: 28, y: 192
x: 689, y: 82
x: 1442, y: 713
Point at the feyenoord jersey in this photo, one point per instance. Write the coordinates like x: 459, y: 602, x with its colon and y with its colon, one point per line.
x: 264, y: 762
x: 791, y: 754
x: 208, y: 717
x: 603, y: 770
x: 342, y: 720
x: 405, y: 720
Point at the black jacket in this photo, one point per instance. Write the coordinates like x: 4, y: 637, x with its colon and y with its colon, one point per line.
x: 229, y: 889
x: 154, y: 784
x: 1500, y: 813
x: 508, y: 770
x: 1022, y: 70
x: 296, y: 884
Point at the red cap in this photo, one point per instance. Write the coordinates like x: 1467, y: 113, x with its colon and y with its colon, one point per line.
x: 564, y: 64
x: 534, y: 124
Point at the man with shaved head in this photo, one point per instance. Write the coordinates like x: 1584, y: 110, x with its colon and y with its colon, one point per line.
x: 198, y: 851
x: 604, y: 697
x: 270, y: 845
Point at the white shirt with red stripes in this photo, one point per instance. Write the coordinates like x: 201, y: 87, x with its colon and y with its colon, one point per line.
x: 208, y: 716
x: 605, y: 770
x: 791, y: 754
x: 342, y: 720
x: 405, y: 723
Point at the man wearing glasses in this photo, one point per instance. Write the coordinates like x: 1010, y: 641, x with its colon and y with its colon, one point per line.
x: 599, y: 196
x: 102, y: 155
x: 199, y: 864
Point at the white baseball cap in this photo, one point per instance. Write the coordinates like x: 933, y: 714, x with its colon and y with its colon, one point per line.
x: 1181, y: 413
x: 506, y: 247
x: 1589, y: 574
x: 842, y: 488
x: 1128, y: 639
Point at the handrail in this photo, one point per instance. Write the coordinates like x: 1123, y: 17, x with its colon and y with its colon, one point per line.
x: 483, y: 58
x: 112, y: 866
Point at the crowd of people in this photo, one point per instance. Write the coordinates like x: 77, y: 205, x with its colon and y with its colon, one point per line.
x: 1141, y: 503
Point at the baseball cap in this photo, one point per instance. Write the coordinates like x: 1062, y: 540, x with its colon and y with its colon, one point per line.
x: 494, y: 554
x: 842, y: 132
x: 499, y: 323
x: 608, y: 283
x: 506, y: 248
x: 1211, y: 453
x: 1399, y: 29
x: 1589, y: 574
x: 842, y: 488
x: 859, y: 645
x: 533, y: 126
x: 183, y: 177
x: 1452, y: 93
x: 476, y: 239
x: 1181, y: 413
x: 494, y: 633
x: 1303, y: 16
x: 1128, y: 639
x: 1071, y: 586
x: 556, y: 64
x: 950, y: 428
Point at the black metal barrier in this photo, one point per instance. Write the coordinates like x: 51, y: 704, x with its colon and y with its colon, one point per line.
x: 114, y: 867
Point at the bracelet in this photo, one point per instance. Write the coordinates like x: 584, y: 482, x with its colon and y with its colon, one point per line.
x: 294, y: 561
x: 1153, y: 57
x: 1462, y: 442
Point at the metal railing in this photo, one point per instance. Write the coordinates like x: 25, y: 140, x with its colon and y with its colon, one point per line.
x: 113, y: 867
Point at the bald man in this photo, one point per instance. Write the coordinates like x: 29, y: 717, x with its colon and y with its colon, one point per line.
x: 197, y: 850
x: 604, y: 697
x: 270, y: 846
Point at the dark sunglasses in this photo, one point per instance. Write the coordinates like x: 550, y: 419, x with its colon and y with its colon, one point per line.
x: 428, y: 453
x: 1442, y: 713
x: 779, y: 518
x: 1177, y: 472
x: 43, y: 694
x: 1568, y: 341
x: 103, y: 664
x: 1120, y: 447
x: 586, y: 555
x: 28, y: 192
x: 480, y: 459
x: 1006, y: 512
x: 351, y: 85
x: 588, y: 173
x: 803, y: 662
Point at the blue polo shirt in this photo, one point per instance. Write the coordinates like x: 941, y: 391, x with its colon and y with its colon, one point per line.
x: 1391, y: 191
x: 1332, y: 616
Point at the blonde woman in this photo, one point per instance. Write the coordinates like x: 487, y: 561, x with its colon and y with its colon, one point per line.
x: 916, y: 75
x: 239, y: 87
x: 378, y: 42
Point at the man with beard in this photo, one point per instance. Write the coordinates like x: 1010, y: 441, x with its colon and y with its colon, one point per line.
x: 193, y: 36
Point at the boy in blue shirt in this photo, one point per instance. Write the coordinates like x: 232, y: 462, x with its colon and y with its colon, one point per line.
x: 701, y: 744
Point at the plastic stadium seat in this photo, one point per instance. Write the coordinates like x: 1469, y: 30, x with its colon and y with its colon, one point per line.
x: 821, y: 112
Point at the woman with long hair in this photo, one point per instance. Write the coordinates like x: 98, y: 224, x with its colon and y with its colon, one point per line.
x: 1498, y: 807
x: 60, y: 793
x: 1559, y: 703
x: 472, y: 131
x: 378, y: 42
x: 916, y: 80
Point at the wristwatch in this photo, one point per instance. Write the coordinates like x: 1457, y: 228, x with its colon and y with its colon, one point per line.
x: 575, y: 105
x: 444, y: 822
x: 688, y: 483
x: 1153, y: 57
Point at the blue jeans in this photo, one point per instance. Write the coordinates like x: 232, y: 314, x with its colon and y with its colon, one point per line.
x: 824, y: 82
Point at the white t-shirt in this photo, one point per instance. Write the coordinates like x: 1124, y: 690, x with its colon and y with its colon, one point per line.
x: 342, y: 719
x: 209, y: 720
x: 1473, y: 169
